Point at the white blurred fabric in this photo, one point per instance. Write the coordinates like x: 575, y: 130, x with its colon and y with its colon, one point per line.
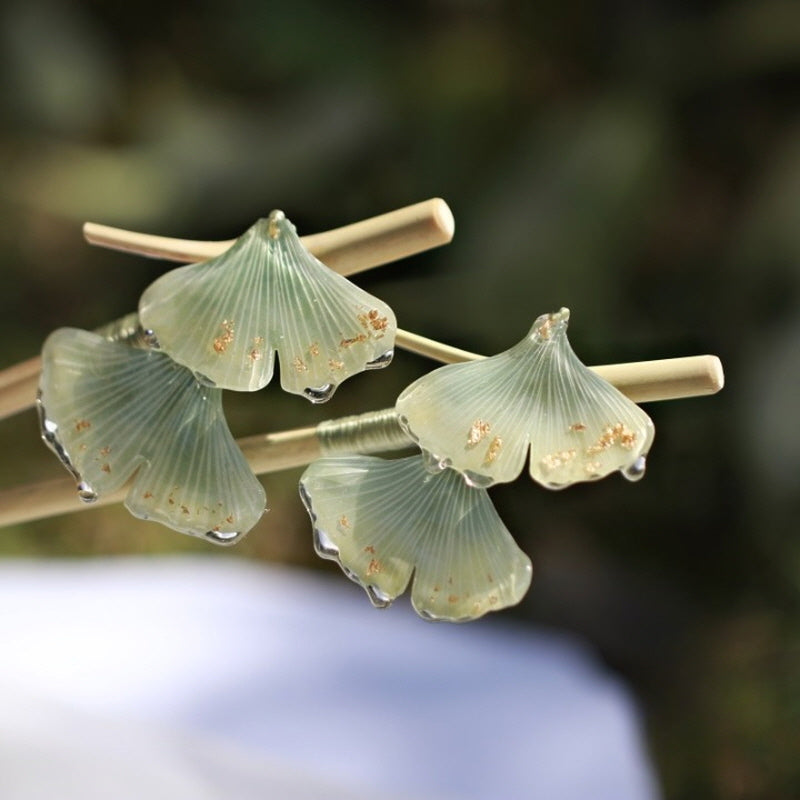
x: 212, y: 677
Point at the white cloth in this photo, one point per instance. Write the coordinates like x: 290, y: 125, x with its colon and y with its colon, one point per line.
x: 211, y: 677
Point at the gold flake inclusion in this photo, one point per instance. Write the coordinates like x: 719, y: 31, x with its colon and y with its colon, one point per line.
x: 494, y: 450
x: 221, y: 342
x: 477, y: 432
x: 617, y: 434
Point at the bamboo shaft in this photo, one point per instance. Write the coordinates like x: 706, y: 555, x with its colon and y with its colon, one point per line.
x: 347, y: 250
x: 19, y: 383
x: 388, y: 237
x: 430, y: 348
x: 272, y: 452
x: 20, y: 373
x: 266, y: 453
x: 269, y: 453
x: 641, y: 381
x: 47, y: 499
x: 666, y: 379
x: 18, y: 386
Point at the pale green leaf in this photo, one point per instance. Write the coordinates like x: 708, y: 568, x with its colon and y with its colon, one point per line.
x: 225, y: 318
x: 483, y: 418
x: 112, y: 411
x: 384, y: 521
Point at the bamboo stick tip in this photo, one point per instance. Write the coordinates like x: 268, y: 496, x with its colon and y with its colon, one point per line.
x: 94, y: 233
x: 443, y: 218
x: 716, y: 374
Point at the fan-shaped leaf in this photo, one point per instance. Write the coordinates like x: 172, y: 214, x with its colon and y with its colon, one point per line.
x: 110, y: 410
x: 481, y: 418
x: 225, y: 318
x: 386, y: 520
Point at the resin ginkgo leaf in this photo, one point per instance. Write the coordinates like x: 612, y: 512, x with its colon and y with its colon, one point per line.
x: 225, y: 318
x: 384, y: 521
x: 482, y: 418
x: 110, y: 410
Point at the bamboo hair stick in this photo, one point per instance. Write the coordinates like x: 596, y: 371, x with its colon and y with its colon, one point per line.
x: 270, y: 452
x: 375, y: 431
x: 18, y: 386
x: 348, y: 250
x: 641, y: 381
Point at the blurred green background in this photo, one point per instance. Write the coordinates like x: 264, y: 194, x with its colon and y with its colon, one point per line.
x: 638, y: 162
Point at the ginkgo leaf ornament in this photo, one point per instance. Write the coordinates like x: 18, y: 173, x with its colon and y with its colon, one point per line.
x: 386, y: 521
x: 111, y: 411
x: 483, y: 417
x: 226, y: 317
